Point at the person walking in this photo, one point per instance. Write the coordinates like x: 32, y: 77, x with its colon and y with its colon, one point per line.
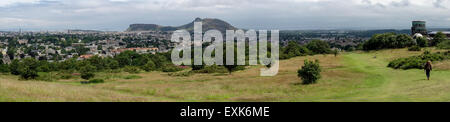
x: 428, y: 69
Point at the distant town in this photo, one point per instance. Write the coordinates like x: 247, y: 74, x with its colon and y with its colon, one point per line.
x: 151, y: 39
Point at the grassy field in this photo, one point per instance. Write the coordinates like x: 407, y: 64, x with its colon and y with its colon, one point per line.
x: 356, y: 76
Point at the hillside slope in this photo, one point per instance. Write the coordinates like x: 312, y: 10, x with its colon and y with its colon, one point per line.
x: 357, y: 76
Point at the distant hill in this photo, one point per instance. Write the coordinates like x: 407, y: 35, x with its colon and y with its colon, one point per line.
x: 208, y: 24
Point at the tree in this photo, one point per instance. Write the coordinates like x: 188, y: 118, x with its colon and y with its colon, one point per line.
x: 126, y: 58
x: 310, y: 72
x: 111, y: 63
x: 438, y: 38
x: 98, y: 62
x: 28, y: 68
x: 293, y: 49
x: 335, y: 52
x: 87, y: 71
x: 422, y: 42
x: 319, y: 47
x: 14, y: 67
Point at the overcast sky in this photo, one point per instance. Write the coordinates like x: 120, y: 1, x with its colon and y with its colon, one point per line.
x: 249, y: 14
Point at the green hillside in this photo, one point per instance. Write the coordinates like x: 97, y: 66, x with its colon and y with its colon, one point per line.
x: 356, y: 76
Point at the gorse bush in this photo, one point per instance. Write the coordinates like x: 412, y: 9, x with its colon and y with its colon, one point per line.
x: 444, y: 45
x: 132, y: 69
x: 414, y: 48
x: 171, y: 68
x: 310, y: 72
x: 96, y: 81
x: 417, y: 62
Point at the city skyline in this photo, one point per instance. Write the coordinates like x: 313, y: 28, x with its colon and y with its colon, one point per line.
x: 117, y: 15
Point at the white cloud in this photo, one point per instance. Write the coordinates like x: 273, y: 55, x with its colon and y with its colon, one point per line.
x: 243, y: 13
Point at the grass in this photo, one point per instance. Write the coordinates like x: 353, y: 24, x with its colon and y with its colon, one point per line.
x: 356, y: 76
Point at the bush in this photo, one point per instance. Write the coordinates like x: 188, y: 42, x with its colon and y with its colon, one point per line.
x: 45, y: 76
x: 171, y: 68
x: 132, y: 69
x: 414, y: 48
x: 212, y: 69
x: 310, y: 72
x: 444, y: 45
x: 181, y: 74
x: 28, y: 68
x: 87, y: 71
x: 439, y: 38
x: 4, y: 68
x: 417, y: 62
x: 388, y: 41
x: 96, y: 81
x: 132, y: 77
x: 422, y: 42
x: 65, y: 76
x: 149, y: 66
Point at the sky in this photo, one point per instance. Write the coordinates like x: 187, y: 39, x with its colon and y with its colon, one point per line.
x: 117, y: 15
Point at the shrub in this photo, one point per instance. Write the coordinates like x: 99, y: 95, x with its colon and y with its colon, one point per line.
x: 414, y: 48
x: 149, y: 66
x: 96, y: 81
x: 310, y: 72
x: 422, y: 42
x: 438, y: 38
x: 28, y: 68
x: 65, y: 76
x: 417, y: 62
x: 4, y: 68
x: 45, y: 76
x: 212, y: 69
x: 132, y: 77
x: 171, y: 68
x: 387, y: 41
x: 444, y: 45
x: 181, y: 74
x: 87, y: 71
x: 131, y: 69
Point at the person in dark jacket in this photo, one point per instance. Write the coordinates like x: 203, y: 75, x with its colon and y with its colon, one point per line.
x: 428, y: 69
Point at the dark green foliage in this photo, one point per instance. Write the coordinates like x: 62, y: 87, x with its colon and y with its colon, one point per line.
x: 212, y: 69
x: 293, y: 49
x: 87, y: 71
x: 96, y: 81
x: 335, y: 52
x: 310, y: 72
x: 414, y: 48
x: 149, y: 66
x: 28, y: 68
x: 4, y: 68
x: 444, y: 45
x: 65, y: 76
x: 422, y: 42
x: 171, y: 68
x: 111, y: 63
x: 438, y: 38
x: 14, y: 67
x: 417, y: 62
x: 318, y: 47
x: 98, y: 63
x: 126, y: 58
x: 388, y: 41
x: 132, y: 69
